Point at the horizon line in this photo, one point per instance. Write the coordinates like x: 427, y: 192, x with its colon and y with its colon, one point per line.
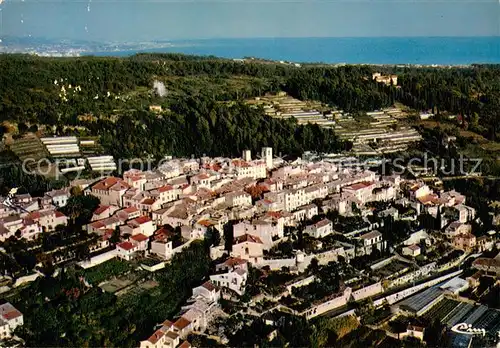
x: 257, y: 38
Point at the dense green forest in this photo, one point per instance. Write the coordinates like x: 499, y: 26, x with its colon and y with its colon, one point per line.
x: 199, y: 126
x: 204, y: 98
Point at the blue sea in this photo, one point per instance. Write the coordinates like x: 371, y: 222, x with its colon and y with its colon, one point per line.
x: 382, y: 50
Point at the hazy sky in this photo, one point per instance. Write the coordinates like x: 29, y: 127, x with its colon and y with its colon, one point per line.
x: 139, y: 20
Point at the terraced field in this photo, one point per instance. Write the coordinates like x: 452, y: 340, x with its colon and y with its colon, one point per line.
x: 29, y: 147
x: 90, y: 149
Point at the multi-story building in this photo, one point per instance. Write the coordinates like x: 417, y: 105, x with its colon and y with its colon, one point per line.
x: 48, y: 219
x: 272, y: 185
x: 9, y: 225
x: 465, y: 242
x: 58, y: 197
x: 142, y: 224
x: 10, y: 319
x: 109, y: 191
x: 320, y: 229
x: 126, y: 250
x: 238, y: 198
x: 140, y: 241
x: 412, y: 250
x: 127, y: 213
x: 249, y: 169
x: 248, y: 247
x: 31, y: 229
x: 465, y: 213
x: 165, y: 194
x: 100, y: 226
x: 418, y: 190
x: 103, y: 212
x: 370, y: 241
x: 265, y: 230
x: 203, y: 180
x: 294, y: 198
x: 161, y: 246
x: 234, y: 280
x: 363, y: 191
x: 305, y: 212
x: 456, y: 228
x: 316, y: 191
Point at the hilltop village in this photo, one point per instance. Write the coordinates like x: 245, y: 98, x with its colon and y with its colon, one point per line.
x: 302, y: 237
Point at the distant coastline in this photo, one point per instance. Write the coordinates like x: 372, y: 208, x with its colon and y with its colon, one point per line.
x: 424, y: 51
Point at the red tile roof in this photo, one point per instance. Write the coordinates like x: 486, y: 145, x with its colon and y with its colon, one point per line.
x: 165, y: 188
x: 167, y: 323
x: 206, y: 223
x: 139, y: 237
x: 59, y: 214
x: 172, y: 335
x: 185, y: 344
x: 234, y: 261
x: 142, y: 219
x: 181, y: 323
x: 427, y: 199
x: 108, y: 232
x: 274, y: 214
x: 486, y: 262
x: 12, y: 314
x: 101, y: 209
x: 34, y: 215
x: 209, y: 286
x: 122, y: 185
x: 162, y: 234
x: 247, y: 238
x: 126, y: 246
x: 322, y: 223
x: 27, y: 221
x: 240, y: 163
x: 148, y: 201
x: 131, y: 210
x: 156, y: 336
x: 105, y: 184
x: 360, y: 185
x: 216, y: 167
x: 97, y: 224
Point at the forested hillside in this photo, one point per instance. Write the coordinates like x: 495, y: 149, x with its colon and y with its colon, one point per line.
x: 203, y: 98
